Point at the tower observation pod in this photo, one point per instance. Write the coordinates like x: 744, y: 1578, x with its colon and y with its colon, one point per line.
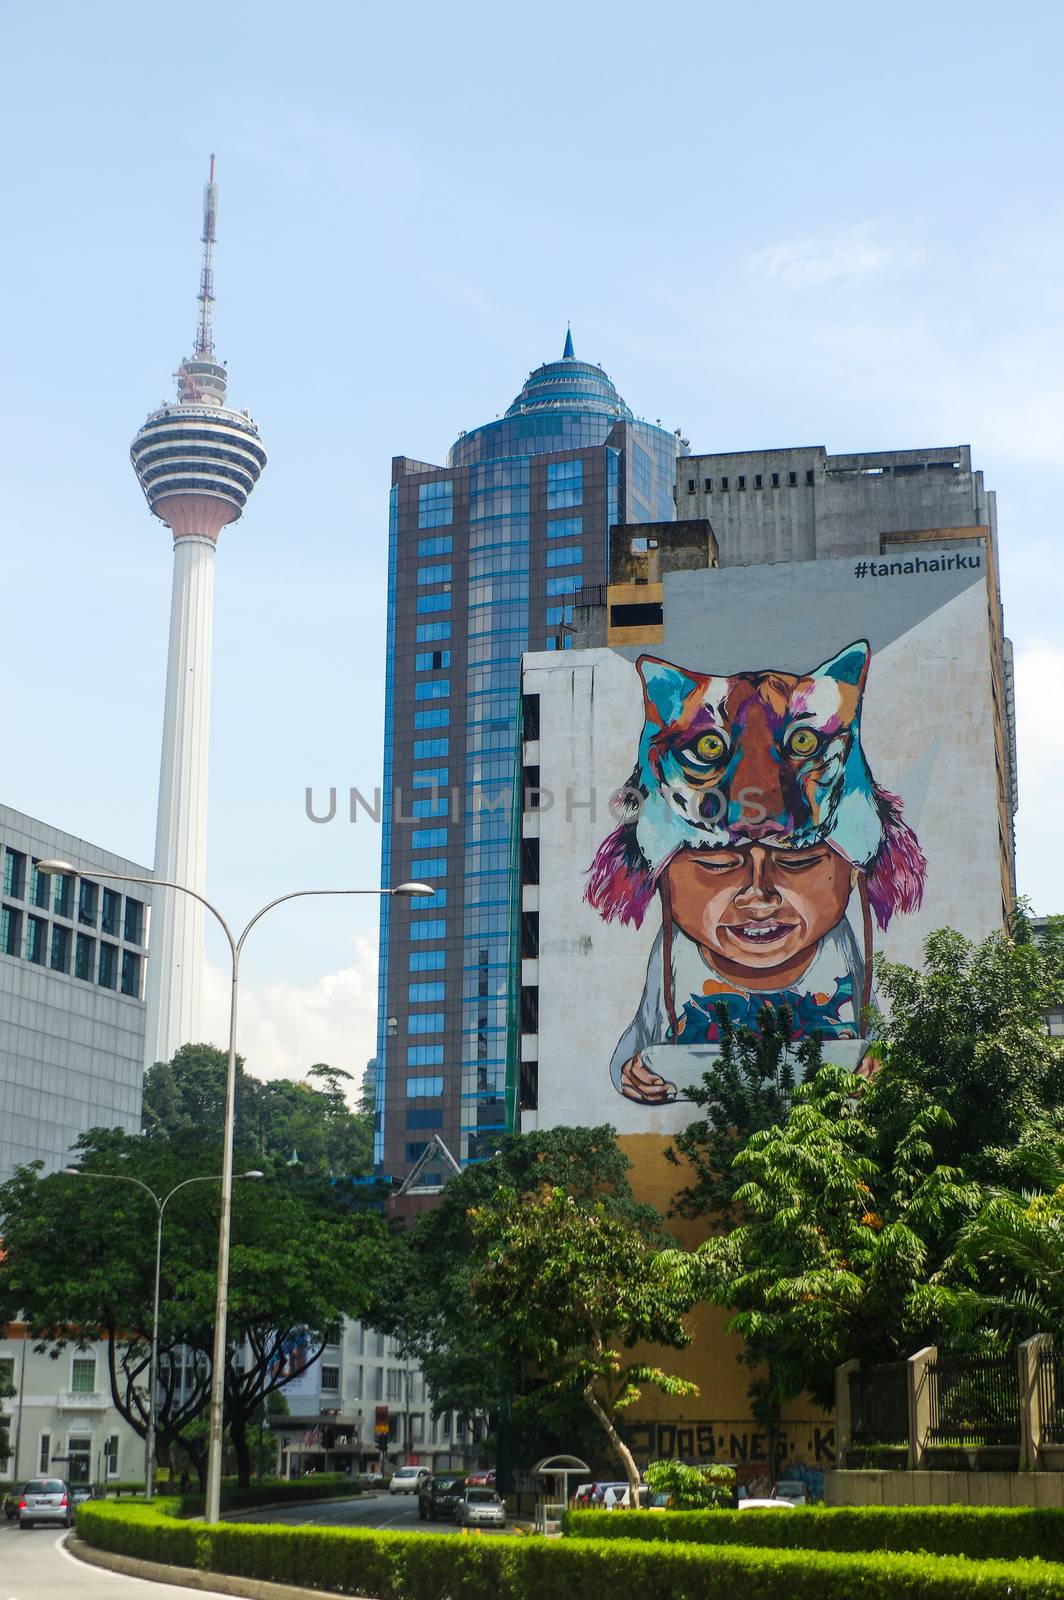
x: 197, y: 461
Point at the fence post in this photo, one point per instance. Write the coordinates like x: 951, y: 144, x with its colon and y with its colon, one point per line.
x: 843, y: 1416
x: 919, y: 1403
x: 1028, y: 1359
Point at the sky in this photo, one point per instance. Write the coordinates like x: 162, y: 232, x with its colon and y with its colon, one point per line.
x: 772, y: 225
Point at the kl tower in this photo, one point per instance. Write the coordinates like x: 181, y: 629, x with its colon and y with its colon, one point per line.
x: 197, y: 461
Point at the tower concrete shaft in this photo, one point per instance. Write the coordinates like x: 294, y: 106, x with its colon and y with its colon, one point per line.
x: 176, y: 963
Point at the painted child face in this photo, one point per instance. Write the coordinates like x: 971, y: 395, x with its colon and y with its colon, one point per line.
x: 757, y: 908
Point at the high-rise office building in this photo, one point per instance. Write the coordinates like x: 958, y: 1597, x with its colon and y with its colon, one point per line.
x: 197, y: 461
x: 485, y: 556
x: 72, y: 963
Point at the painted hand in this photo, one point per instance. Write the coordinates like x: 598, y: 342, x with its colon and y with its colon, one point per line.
x: 639, y: 1083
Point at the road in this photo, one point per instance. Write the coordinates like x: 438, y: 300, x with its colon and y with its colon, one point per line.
x: 34, y: 1566
x: 397, y: 1512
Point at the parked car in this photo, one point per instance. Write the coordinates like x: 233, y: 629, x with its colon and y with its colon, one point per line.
x: 483, y: 1478
x: 480, y: 1508
x: 440, y: 1496
x: 45, y: 1500
x: 408, y: 1480
x: 755, y: 1503
x: 85, y: 1491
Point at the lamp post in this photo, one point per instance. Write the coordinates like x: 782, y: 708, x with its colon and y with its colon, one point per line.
x: 236, y: 945
x: 153, y: 1369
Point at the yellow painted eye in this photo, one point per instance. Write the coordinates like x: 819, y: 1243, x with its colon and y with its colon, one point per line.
x: 710, y: 747
x: 802, y: 742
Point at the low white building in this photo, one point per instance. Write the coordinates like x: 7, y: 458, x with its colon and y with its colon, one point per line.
x: 61, y: 1419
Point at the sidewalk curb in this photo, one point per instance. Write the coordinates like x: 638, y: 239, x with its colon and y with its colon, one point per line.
x: 193, y: 1577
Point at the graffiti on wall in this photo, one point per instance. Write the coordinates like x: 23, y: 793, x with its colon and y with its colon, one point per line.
x: 737, y: 1442
x: 753, y: 823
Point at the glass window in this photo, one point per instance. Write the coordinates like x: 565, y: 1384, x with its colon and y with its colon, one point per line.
x: 64, y: 894
x: 84, y: 957
x: 435, y: 504
x: 14, y: 873
x: 565, y: 555
x: 424, y: 1088
x: 83, y: 1375
x: 60, y: 955
x: 330, y: 1380
x: 432, y: 719
x: 434, y: 807
x: 565, y: 528
x: 88, y: 896
x: 432, y: 689
x: 36, y: 940
x: 10, y: 930
x: 428, y: 632
x: 431, y: 660
x: 134, y: 920
x: 430, y: 778
x: 428, y: 838
x: 44, y: 1456
x: 429, y: 867
x: 112, y: 912
x: 426, y: 907
x: 425, y: 1022
x: 108, y: 974
x: 565, y: 484
x: 556, y: 615
x: 111, y: 1455
x: 434, y: 602
x: 557, y: 586
x: 427, y: 961
x: 424, y: 1119
x: 426, y: 749
x: 428, y: 930
x: 424, y: 1055
x: 439, y: 546
x: 39, y: 888
x: 131, y: 973
x: 435, y: 574
x: 424, y: 993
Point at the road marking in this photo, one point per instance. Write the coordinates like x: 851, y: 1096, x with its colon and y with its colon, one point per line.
x: 60, y: 1545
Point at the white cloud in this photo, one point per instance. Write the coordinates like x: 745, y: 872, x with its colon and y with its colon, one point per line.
x: 283, y: 1029
x: 844, y: 257
x: 1040, y: 736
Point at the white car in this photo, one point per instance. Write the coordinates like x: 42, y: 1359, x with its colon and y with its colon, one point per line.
x: 481, y: 1508
x: 408, y: 1480
x: 749, y: 1504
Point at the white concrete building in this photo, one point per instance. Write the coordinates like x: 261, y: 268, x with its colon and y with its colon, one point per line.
x: 73, y: 953
x: 61, y: 1420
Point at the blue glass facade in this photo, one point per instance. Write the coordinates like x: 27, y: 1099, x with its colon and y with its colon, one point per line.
x: 528, y: 502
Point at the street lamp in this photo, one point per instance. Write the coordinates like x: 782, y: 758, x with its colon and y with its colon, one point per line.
x: 160, y: 1207
x: 236, y: 945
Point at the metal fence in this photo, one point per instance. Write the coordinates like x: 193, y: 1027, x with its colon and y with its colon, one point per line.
x: 974, y: 1400
x: 1051, y: 1395
x: 879, y: 1404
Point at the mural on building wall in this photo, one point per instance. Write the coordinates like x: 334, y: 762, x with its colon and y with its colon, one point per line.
x: 753, y: 823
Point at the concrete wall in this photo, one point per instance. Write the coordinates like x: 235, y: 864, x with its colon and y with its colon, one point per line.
x: 944, y: 1488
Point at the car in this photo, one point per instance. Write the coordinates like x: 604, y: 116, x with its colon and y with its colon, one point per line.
x: 45, y: 1500
x: 483, y: 1478
x: 440, y: 1496
x: 754, y: 1503
x: 408, y: 1480
x: 85, y: 1491
x: 480, y: 1508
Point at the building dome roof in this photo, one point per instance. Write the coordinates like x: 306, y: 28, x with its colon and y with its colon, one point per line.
x: 570, y: 384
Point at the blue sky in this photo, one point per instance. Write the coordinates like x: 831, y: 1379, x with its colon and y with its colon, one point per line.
x: 824, y: 225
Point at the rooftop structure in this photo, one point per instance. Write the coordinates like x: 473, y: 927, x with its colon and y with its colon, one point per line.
x: 197, y: 461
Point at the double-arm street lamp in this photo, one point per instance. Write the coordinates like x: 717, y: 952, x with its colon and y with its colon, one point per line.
x: 236, y: 945
x: 153, y: 1367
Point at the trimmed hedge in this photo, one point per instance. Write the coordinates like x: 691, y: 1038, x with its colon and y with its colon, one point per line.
x: 274, y: 1492
x: 1006, y: 1533
x: 412, y: 1566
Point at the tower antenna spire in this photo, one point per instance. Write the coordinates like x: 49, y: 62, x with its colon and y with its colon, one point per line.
x: 205, y: 333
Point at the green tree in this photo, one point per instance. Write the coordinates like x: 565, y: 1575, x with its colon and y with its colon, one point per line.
x: 434, y: 1313
x: 691, y: 1488
x: 750, y: 1086
x: 854, y: 1205
x: 79, y: 1260
x: 570, y: 1289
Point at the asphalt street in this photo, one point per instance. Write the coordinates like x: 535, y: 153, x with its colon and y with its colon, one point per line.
x: 392, y: 1511
x: 34, y: 1566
